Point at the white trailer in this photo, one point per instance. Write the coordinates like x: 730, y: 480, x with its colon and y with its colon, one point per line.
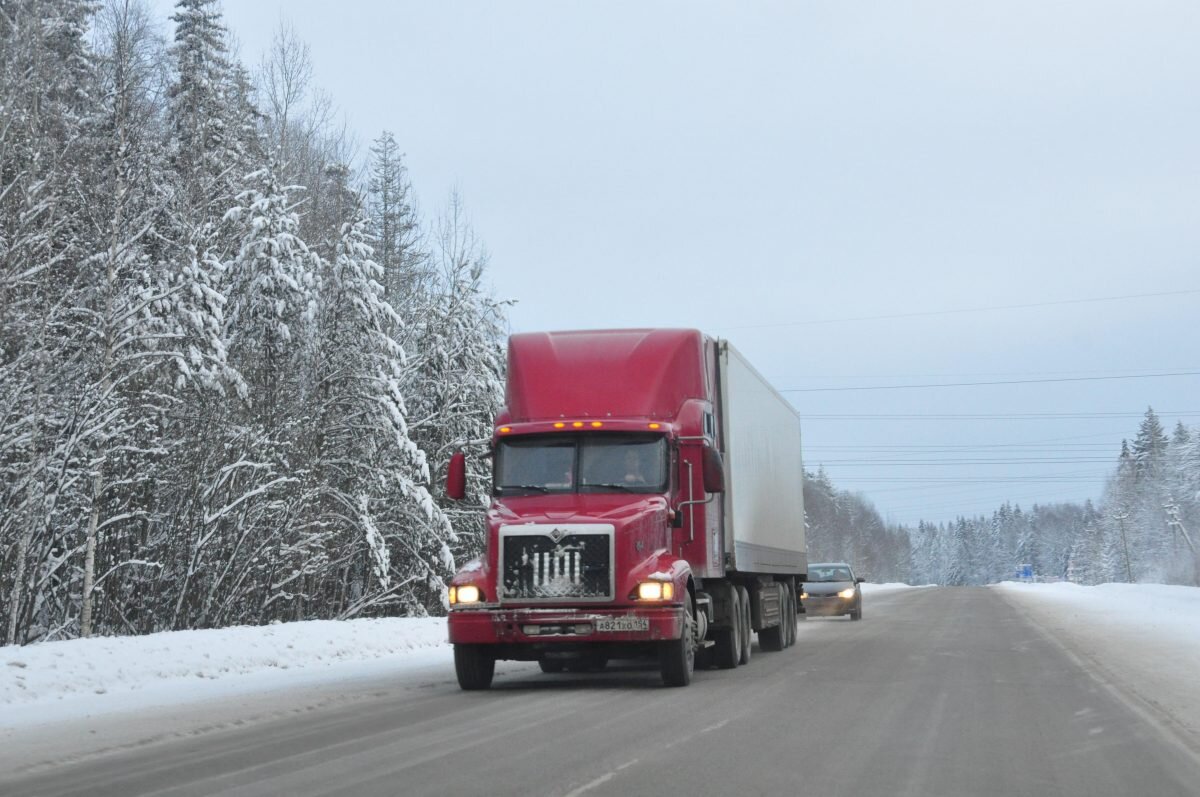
x: 764, y: 497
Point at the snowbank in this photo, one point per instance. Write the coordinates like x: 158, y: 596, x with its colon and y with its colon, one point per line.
x: 1143, y: 637
x: 81, y: 677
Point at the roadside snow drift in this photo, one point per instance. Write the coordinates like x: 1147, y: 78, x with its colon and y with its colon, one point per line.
x: 1143, y: 637
x: 80, y: 677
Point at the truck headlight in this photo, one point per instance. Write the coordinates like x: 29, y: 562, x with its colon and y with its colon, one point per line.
x: 655, y: 591
x: 803, y: 596
x: 467, y: 593
x: 847, y: 593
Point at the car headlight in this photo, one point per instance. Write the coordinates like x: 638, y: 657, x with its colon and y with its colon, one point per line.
x: 847, y: 593
x: 467, y: 593
x: 655, y: 591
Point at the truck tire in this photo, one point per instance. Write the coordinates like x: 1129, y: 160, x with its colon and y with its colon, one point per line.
x: 783, y: 619
x: 747, y: 631
x: 550, y: 665
x: 771, y: 639
x: 474, y: 665
x: 790, y: 625
x: 728, y: 651
x: 677, y: 657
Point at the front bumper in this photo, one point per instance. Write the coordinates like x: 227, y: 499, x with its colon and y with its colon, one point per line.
x: 495, y: 626
x: 817, y: 605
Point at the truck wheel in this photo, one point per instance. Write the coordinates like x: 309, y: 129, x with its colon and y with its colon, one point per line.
x: 746, y: 630
x: 790, y: 626
x: 550, y: 665
x: 474, y: 665
x: 677, y: 657
x: 728, y: 650
x: 783, y: 624
x: 771, y: 639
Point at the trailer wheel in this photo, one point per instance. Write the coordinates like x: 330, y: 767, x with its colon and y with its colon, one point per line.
x: 790, y: 632
x: 771, y: 639
x: 745, y: 629
x: 677, y: 657
x: 728, y: 650
x: 474, y: 665
x: 550, y: 665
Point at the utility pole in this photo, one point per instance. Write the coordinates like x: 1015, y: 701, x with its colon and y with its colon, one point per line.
x: 1172, y: 510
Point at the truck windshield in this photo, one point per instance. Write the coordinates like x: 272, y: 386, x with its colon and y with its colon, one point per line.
x: 581, y: 463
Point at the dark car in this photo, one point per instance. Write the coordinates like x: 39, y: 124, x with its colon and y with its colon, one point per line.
x: 832, y: 590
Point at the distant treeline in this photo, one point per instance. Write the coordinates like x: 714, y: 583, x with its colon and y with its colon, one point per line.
x: 1144, y: 528
x: 233, y: 357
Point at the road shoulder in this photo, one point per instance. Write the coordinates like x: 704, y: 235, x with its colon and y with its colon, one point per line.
x: 1148, y: 665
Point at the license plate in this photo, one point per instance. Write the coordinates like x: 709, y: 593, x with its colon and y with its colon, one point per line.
x: 622, y: 624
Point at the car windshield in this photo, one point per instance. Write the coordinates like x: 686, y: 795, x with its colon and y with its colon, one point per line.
x: 820, y: 573
x: 581, y: 463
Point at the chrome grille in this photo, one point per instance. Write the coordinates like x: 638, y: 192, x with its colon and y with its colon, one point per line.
x: 546, y: 563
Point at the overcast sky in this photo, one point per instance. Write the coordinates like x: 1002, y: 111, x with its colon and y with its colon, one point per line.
x: 767, y: 171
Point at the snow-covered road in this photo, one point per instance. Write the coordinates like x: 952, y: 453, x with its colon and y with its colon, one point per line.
x: 938, y: 691
x: 1146, y: 636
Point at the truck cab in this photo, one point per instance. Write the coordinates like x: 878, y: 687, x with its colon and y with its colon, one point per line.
x: 606, y: 518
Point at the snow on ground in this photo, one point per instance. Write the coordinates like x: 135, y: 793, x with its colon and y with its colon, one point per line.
x: 78, y: 678
x: 1143, y: 637
x: 875, y: 589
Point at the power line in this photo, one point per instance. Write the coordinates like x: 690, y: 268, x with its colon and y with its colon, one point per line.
x: 963, y: 374
x: 1014, y: 416
x: 892, y: 316
x: 1041, y: 441
x: 946, y: 463
x: 982, y: 384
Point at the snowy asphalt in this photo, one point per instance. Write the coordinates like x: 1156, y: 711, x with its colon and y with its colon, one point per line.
x: 936, y: 692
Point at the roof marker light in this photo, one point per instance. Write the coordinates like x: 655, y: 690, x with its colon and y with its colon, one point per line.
x: 596, y: 424
x: 654, y: 425
x: 505, y: 429
x: 559, y: 425
x: 578, y: 424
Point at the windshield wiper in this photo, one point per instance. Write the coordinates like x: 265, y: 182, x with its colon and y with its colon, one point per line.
x: 613, y: 485
x: 537, y: 487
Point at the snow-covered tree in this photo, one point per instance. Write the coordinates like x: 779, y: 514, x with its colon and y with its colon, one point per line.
x: 456, y: 383
x: 215, y: 405
x: 406, y: 270
x: 213, y: 141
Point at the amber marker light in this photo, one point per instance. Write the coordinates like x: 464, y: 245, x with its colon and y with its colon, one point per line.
x: 654, y: 425
x: 596, y: 424
x: 578, y: 424
x: 559, y: 425
x: 505, y: 429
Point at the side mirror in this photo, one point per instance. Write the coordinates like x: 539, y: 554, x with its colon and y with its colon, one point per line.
x: 456, y: 476
x: 859, y: 580
x: 714, y: 471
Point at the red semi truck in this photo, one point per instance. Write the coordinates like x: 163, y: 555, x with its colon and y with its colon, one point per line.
x: 646, y: 502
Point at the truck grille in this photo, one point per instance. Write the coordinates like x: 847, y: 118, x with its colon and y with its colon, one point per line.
x: 548, y: 563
